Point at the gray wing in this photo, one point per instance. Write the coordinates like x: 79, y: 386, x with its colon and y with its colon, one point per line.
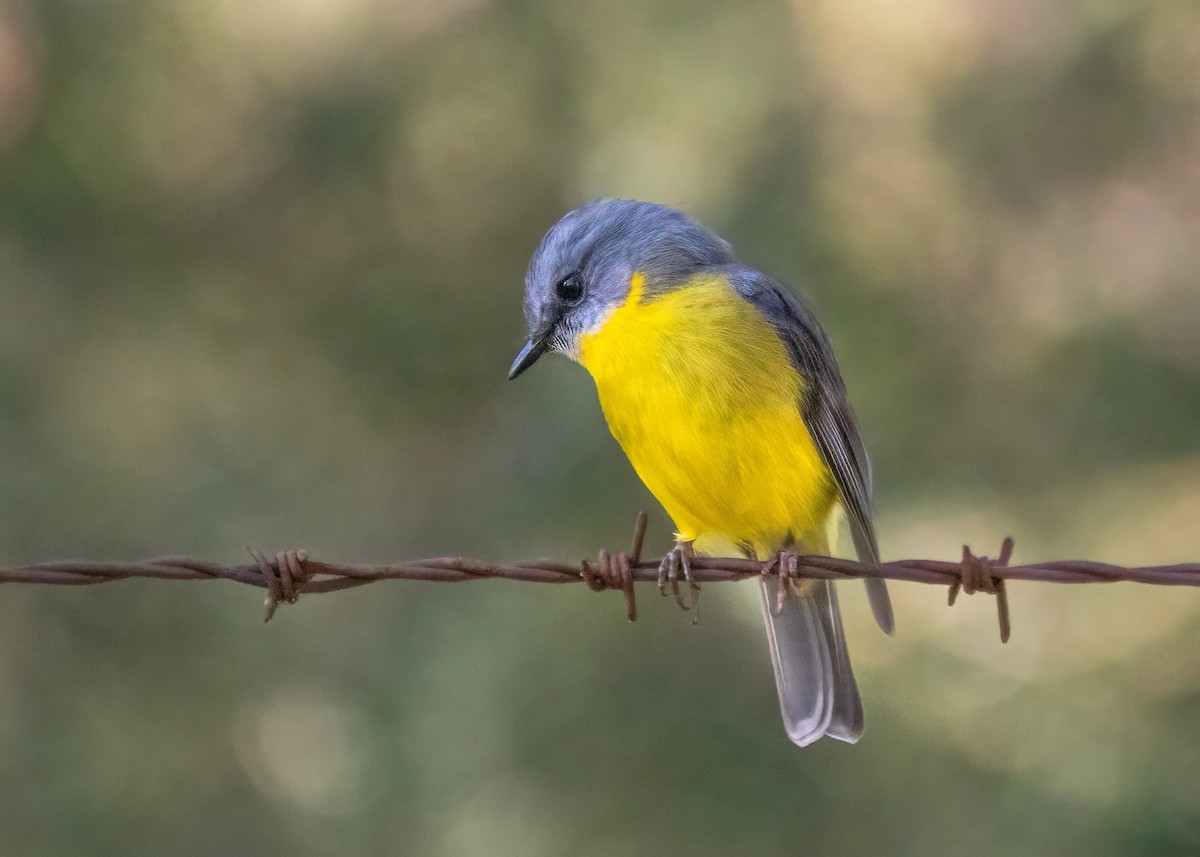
x: 826, y: 411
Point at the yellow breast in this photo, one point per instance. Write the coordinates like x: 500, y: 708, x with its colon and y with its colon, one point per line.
x: 699, y: 391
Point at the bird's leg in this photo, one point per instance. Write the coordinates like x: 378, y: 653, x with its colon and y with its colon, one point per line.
x: 784, y: 564
x: 677, y: 562
x: 668, y: 569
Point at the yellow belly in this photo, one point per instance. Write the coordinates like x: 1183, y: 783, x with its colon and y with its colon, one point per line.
x: 698, y: 389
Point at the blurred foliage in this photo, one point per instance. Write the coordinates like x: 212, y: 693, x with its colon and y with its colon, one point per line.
x: 260, y: 271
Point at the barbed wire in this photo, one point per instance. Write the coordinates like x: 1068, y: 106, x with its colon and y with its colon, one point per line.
x: 292, y: 573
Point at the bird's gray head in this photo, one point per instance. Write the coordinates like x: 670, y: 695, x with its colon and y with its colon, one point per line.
x: 582, y: 270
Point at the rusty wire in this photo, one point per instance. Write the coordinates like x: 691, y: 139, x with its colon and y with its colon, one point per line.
x: 291, y: 573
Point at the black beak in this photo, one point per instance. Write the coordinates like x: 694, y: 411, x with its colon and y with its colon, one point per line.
x: 529, y: 355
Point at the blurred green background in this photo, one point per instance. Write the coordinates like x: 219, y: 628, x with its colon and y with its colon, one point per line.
x: 260, y: 278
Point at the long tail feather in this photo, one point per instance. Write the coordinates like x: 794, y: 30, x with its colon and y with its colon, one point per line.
x: 817, y: 692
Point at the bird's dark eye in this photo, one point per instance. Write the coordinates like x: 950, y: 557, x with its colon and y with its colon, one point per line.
x: 569, y: 289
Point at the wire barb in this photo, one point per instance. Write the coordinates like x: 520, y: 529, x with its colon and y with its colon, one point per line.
x: 283, y: 579
x: 616, y: 572
x: 978, y: 574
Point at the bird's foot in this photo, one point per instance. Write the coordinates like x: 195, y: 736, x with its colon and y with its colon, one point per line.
x: 783, y: 565
x: 675, y: 565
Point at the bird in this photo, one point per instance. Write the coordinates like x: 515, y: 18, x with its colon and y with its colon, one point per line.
x: 722, y: 389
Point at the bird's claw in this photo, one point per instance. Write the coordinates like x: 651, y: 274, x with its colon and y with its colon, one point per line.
x: 784, y: 565
x: 678, y: 563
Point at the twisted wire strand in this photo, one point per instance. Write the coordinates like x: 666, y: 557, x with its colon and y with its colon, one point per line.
x: 291, y: 573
